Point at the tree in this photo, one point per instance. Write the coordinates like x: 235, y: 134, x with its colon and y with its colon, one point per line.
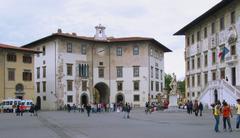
x: 181, y: 87
x: 168, y: 79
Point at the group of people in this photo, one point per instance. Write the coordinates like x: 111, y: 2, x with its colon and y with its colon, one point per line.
x: 196, y: 107
x: 225, y: 110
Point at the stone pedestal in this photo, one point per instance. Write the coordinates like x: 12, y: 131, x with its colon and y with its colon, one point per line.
x: 173, y: 101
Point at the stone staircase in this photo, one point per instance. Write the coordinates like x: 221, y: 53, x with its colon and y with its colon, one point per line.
x: 220, y: 89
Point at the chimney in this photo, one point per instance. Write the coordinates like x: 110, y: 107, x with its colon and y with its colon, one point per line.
x: 74, y: 34
x: 59, y: 30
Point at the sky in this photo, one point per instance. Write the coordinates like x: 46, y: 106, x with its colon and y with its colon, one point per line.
x: 23, y: 21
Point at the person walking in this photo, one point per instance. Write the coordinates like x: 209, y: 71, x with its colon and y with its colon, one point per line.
x: 128, y: 109
x: 88, y: 108
x: 36, y: 108
x: 69, y: 108
x: 124, y: 110
x: 200, y: 106
x: 226, y: 110
x: 31, y: 111
x: 217, y: 112
x: 22, y: 108
x: 238, y: 113
x: 196, y: 108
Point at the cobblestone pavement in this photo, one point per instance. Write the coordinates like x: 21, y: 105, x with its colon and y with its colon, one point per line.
x: 60, y: 124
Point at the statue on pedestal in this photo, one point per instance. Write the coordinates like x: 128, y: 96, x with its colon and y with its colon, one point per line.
x: 173, y: 86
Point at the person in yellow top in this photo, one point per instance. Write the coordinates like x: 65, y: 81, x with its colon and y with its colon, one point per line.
x: 238, y: 113
x: 216, y: 113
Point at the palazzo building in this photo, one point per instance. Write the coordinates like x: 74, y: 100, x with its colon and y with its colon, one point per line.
x: 76, y: 69
x: 16, y: 72
x: 212, y: 54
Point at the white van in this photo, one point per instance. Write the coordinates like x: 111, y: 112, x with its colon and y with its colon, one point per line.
x: 8, y: 104
x: 27, y: 104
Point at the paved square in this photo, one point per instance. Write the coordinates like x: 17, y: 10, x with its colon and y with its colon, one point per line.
x: 60, y: 124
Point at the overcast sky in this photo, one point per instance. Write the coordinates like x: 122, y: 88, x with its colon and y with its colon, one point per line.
x: 23, y: 21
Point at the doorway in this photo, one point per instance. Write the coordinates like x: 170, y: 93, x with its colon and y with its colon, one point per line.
x: 38, y: 102
x: 84, y: 99
x: 234, y: 76
x: 215, y: 95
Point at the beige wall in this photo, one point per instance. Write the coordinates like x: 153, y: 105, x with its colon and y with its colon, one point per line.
x: 19, y: 67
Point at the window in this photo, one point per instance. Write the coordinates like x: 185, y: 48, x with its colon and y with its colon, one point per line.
x: 193, y: 94
x: 151, y: 71
x: 119, y: 85
x: 213, y: 28
x: 11, y: 57
x: 192, y: 38
x: 233, y: 50
x: 44, y: 98
x: 136, y: 98
x: 43, y: 50
x: 27, y: 59
x: 213, y: 75
x: 69, y: 98
x: 119, y: 51
x: 136, y: 85
x: 205, y: 59
x: 214, y: 56
x: 69, y: 69
x: 161, y: 87
x: 198, y: 36
x: 188, y: 94
x: 198, y: 62
x: 222, y: 73
x: 38, y: 87
x: 44, y: 86
x: 119, y: 72
x: 101, y: 72
x: 193, y: 81
x: 69, y: 47
x: 233, y: 17
x: 135, y: 50
x: 136, y: 71
x: 38, y: 72
x: 199, y: 79
x: 27, y: 75
x: 188, y: 65
x: 38, y: 49
x: 205, y: 32
x: 157, y: 86
x: 11, y: 74
x: 161, y: 73
x: 44, y: 72
x: 205, y: 78
x: 222, y: 24
x: 188, y: 81
x: 84, y: 85
x: 83, y: 70
x: 83, y: 49
x: 193, y: 63
x: 69, y: 85
x: 151, y: 85
x: 156, y: 73
x: 188, y: 41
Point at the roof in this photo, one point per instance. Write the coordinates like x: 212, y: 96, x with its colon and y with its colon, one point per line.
x: 4, y: 46
x: 91, y: 39
x: 211, y: 11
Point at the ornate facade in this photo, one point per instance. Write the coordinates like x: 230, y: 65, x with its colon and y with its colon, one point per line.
x: 212, y: 54
x: 76, y: 69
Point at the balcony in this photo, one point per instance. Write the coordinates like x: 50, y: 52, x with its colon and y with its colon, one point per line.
x: 231, y: 59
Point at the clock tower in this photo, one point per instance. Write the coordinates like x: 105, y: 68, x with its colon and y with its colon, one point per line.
x: 100, y: 33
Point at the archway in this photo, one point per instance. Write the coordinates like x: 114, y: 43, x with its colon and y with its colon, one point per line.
x: 119, y: 98
x: 38, y: 103
x: 101, y: 93
x: 215, y: 95
x: 84, y: 99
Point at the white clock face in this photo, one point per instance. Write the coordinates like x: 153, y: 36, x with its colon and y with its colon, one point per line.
x: 100, y: 51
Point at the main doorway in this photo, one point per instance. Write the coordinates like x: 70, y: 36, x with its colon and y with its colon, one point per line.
x: 84, y: 99
x: 38, y: 103
x: 101, y: 93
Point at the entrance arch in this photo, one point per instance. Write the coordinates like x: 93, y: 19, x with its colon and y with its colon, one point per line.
x: 38, y: 102
x: 119, y: 98
x: 215, y: 95
x: 101, y: 93
x: 84, y: 99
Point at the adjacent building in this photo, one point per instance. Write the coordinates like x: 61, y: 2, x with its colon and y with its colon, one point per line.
x: 76, y: 69
x: 212, y: 54
x: 16, y: 72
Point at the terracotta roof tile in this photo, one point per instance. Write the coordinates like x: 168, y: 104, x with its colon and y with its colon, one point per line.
x: 5, y: 46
